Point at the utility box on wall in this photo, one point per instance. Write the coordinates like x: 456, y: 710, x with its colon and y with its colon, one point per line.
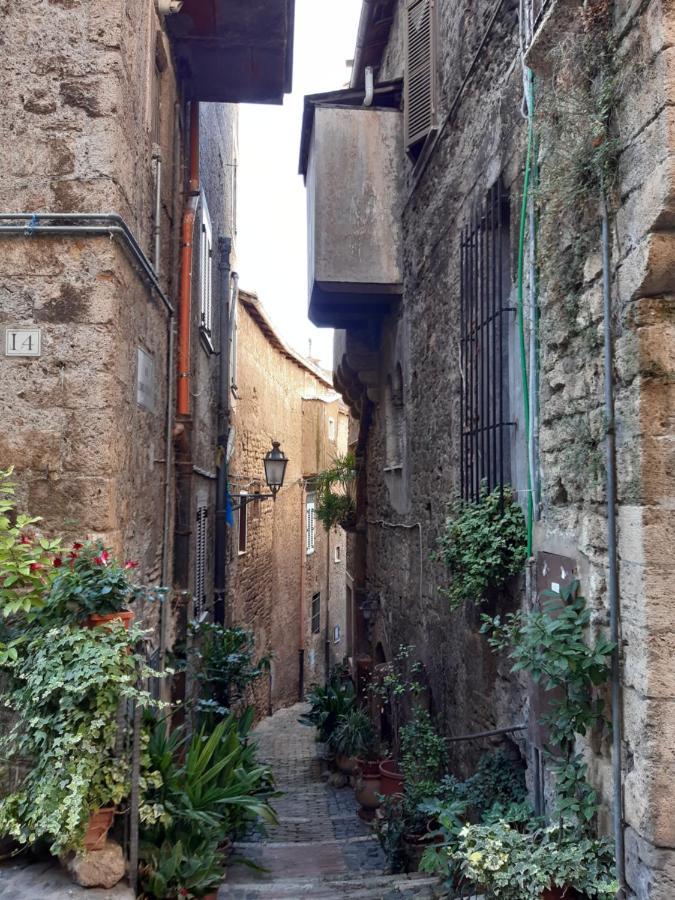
x: 353, y: 167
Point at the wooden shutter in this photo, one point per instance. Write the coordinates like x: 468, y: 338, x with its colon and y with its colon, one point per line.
x: 420, y: 70
x: 311, y: 523
x: 201, y: 536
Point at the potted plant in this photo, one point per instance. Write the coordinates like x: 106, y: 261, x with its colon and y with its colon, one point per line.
x: 352, y: 738
x: 92, y: 587
x: 537, y: 864
x: 327, y: 704
x: 336, y: 494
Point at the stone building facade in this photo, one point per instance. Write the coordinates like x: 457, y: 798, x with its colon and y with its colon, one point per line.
x: 286, y: 576
x: 117, y: 237
x: 401, y: 358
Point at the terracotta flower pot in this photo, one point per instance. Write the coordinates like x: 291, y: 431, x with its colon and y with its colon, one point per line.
x: 212, y: 896
x: 348, y: 765
x: 366, y: 791
x: 369, y: 766
x: 391, y: 779
x: 100, y: 823
x: 414, y: 846
x: 95, y: 621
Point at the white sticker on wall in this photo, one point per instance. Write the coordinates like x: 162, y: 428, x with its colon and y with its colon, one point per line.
x: 23, y: 342
x: 145, y: 391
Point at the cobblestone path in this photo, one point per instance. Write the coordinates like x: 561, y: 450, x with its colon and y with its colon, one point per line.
x: 320, y: 849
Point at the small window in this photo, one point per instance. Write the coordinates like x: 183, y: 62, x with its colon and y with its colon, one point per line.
x: 331, y: 429
x: 338, y: 554
x: 205, y: 270
x: 201, y: 555
x: 310, y: 524
x: 337, y: 634
x: 420, y: 72
x: 316, y: 613
x: 243, y: 524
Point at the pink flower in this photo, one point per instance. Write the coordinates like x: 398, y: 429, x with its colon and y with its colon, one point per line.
x: 35, y: 567
x: 130, y: 564
x: 24, y: 539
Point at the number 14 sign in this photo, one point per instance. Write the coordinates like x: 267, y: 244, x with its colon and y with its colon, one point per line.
x: 23, y: 342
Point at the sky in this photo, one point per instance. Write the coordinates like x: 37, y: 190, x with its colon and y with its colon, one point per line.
x: 272, y: 232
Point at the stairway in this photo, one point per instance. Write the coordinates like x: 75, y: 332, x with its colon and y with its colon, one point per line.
x: 320, y: 849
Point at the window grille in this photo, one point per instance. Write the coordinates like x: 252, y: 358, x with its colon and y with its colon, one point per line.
x: 201, y: 546
x: 310, y: 524
x: 420, y: 71
x: 485, y: 284
x: 243, y: 525
x: 205, y: 269
x: 316, y: 613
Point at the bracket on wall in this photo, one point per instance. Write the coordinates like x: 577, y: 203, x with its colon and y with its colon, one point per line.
x: 245, y: 499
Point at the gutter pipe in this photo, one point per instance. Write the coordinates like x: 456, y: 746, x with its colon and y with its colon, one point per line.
x: 219, y: 562
x: 157, y: 230
x: 613, y: 579
x: 186, y: 253
x: 361, y: 41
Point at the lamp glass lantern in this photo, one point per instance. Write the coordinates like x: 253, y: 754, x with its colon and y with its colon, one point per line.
x: 275, y: 468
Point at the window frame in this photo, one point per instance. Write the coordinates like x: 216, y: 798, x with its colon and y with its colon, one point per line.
x: 415, y: 136
x: 201, y: 556
x: 310, y: 523
x: 205, y: 273
x: 316, y: 613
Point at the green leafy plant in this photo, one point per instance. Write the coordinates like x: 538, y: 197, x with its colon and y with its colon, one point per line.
x: 483, y: 545
x: 550, y: 646
x: 336, y: 493
x: 29, y: 561
x: 498, y: 781
x: 328, y: 704
x: 91, y: 581
x: 224, y: 665
x: 65, y: 687
x: 180, y: 870
x: 514, y: 865
x: 354, y: 735
x: 396, y: 685
x: 423, y: 750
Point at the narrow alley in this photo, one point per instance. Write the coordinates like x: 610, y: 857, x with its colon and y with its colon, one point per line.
x: 321, y: 849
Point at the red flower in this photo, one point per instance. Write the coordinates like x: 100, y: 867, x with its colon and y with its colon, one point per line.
x: 77, y: 546
x: 104, y: 557
x: 35, y: 567
x: 183, y: 892
x: 98, y: 561
x: 24, y: 539
x: 57, y: 563
x: 130, y: 564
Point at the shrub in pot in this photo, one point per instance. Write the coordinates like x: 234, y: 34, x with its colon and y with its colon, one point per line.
x: 92, y: 587
x: 351, y: 739
x: 536, y: 864
x: 65, y: 687
x: 327, y: 704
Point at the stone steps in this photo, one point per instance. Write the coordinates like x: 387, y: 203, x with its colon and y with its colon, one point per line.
x: 369, y: 887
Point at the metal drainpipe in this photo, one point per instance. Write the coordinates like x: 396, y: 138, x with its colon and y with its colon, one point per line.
x: 301, y: 623
x: 157, y: 229
x: 613, y: 578
x: 219, y: 567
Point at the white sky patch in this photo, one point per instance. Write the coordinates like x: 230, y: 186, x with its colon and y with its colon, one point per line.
x: 272, y: 227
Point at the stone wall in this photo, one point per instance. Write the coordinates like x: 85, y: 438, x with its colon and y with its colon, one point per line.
x: 271, y: 584
x: 485, y: 139
x: 90, y: 91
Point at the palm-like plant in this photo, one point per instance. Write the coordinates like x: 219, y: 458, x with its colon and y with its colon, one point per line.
x: 336, y: 493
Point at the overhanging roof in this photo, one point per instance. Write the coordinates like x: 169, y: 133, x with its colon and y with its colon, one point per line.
x: 234, y: 51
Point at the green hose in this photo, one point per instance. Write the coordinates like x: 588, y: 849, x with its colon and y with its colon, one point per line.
x: 521, y: 308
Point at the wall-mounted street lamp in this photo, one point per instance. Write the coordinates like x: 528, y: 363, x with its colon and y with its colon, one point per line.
x: 275, y: 462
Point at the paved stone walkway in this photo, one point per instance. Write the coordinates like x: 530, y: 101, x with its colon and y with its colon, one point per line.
x: 47, y: 881
x: 320, y: 849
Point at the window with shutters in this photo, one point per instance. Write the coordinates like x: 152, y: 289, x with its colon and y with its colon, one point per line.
x: 201, y: 545
x: 205, y: 271
x: 485, y: 287
x: 310, y: 523
x: 243, y: 524
x: 316, y: 613
x: 420, y: 93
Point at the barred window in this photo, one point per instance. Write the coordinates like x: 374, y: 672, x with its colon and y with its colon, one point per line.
x: 316, y: 613
x: 485, y: 284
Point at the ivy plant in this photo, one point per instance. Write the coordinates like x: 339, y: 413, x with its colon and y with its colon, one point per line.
x: 65, y: 687
x: 483, y: 545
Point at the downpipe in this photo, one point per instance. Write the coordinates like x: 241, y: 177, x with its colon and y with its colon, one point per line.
x: 613, y: 579
x: 220, y: 538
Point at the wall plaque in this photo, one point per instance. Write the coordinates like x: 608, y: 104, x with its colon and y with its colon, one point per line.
x: 23, y: 342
